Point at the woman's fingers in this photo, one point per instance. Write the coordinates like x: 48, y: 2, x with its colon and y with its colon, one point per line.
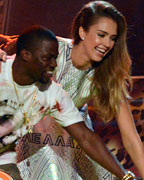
x: 3, y: 55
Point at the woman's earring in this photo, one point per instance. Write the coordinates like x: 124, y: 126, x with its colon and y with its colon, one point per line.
x: 82, y: 38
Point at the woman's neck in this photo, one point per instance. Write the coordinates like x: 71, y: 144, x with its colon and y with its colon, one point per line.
x: 79, y: 58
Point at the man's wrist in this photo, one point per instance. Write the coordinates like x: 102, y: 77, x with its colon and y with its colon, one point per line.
x: 129, y: 175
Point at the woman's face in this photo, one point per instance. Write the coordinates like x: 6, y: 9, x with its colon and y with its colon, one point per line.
x: 100, y: 38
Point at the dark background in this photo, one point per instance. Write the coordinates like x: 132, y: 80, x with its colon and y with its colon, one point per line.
x: 57, y: 15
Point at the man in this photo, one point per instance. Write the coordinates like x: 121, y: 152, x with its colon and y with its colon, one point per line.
x: 27, y: 94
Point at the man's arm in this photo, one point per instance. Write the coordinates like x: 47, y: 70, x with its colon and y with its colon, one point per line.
x: 94, y: 147
x: 69, y: 117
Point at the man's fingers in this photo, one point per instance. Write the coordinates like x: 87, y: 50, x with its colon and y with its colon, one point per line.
x: 15, y: 135
x: 6, y: 128
x: 9, y: 139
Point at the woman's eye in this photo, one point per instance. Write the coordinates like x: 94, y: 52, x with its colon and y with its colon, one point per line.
x: 114, y: 39
x: 101, y: 35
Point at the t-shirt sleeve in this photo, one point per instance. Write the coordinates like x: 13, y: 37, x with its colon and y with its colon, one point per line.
x: 66, y: 113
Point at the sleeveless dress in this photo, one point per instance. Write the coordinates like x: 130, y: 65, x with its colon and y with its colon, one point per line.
x: 58, y: 156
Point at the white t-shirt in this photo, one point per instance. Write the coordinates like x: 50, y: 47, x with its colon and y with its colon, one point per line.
x: 54, y: 101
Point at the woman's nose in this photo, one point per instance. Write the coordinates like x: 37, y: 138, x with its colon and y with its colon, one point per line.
x: 107, y: 42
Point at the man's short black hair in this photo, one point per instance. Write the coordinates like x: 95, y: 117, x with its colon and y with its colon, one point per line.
x: 32, y: 36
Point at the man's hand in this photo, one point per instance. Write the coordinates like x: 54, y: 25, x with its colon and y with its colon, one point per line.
x: 95, y: 148
x: 15, y: 135
x: 6, y: 128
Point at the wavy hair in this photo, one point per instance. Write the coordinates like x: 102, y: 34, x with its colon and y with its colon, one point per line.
x: 112, y: 74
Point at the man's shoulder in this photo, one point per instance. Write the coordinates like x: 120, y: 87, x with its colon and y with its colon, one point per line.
x: 55, y: 93
x: 57, y: 90
x: 55, y: 86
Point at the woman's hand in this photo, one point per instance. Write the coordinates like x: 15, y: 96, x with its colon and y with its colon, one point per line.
x: 7, y: 46
x: 2, y: 57
x: 10, y: 46
x: 8, y: 43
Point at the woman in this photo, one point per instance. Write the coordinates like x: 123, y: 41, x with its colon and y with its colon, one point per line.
x: 93, y: 65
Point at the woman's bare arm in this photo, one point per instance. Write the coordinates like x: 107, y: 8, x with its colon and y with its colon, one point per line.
x: 130, y: 137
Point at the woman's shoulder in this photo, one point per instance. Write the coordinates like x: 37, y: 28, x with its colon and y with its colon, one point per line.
x: 64, y: 41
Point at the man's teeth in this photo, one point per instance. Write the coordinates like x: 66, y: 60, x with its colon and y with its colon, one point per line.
x: 50, y: 72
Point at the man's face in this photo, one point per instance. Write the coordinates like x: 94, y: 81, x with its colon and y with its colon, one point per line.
x: 43, y: 61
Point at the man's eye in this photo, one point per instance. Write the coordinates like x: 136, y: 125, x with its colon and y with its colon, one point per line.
x: 46, y: 58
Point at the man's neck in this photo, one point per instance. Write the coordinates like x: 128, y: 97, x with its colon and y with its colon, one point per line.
x: 19, y: 73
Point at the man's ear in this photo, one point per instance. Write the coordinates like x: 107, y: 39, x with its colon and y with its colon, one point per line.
x: 26, y: 55
x: 82, y: 33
